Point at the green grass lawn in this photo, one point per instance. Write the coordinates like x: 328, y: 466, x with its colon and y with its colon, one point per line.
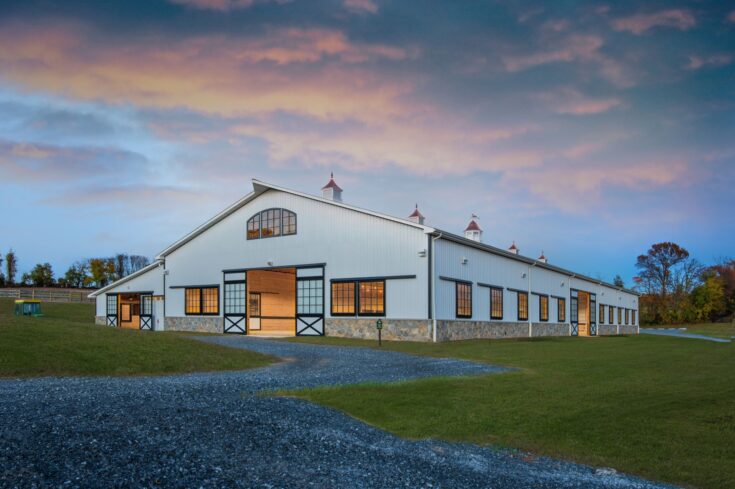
x: 65, y: 341
x: 659, y: 407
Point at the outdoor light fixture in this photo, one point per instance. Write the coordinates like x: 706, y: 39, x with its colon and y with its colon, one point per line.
x: 523, y: 275
x: 422, y: 253
x: 464, y: 260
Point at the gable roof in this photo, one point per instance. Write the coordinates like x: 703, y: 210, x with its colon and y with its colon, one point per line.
x: 473, y: 226
x: 259, y: 188
x: 126, y: 278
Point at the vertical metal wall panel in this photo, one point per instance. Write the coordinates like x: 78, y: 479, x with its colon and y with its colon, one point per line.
x: 489, y: 268
x: 352, y: 244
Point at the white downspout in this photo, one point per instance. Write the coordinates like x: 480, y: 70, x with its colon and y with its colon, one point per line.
x: 530, y: 323
x: 433, y: 287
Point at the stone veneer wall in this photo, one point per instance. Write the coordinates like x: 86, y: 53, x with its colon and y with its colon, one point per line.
x: 100, y: 320
x: 628, y: 329
x: 607, y: 329
x: 393, y: 329
x: 466, y: 330
x: 198, y: 324
x: 550, y: 329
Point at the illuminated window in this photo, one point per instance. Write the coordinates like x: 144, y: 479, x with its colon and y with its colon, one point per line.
x: 343, y: 298
x: 372, y: 298
x: 611, y: 312
x: 463, y: 293
x: 496, y: 303
x: 522, y: 306
x: 627, y: 316
x: 271, y: 223
x: 202, y: 301
x: 632, y: 317
x: 543, y: 307
x: 620, y: 315
x: 561, y: 310
x: 602, y: 314
x: 254, y: 227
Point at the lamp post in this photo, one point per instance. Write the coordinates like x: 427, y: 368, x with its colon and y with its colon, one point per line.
x: 379, y: 326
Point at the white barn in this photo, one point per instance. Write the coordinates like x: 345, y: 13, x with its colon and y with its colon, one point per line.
x: 280, y: 262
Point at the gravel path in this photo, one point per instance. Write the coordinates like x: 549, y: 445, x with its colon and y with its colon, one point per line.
x: 682, y: 334
x: 209, y: 430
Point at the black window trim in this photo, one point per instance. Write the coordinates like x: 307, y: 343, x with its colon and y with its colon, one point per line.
x: 502, y: 305
x: 518, y: 305
x: 561, y: 301
x: 259, y: 215
x: 201, y: 301
x: 540, y: 296
x: 356, y: 299
x: 457, y: 284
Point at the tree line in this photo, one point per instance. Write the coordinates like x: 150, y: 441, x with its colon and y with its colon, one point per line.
x: 677, y: 288
x: 89, y: 272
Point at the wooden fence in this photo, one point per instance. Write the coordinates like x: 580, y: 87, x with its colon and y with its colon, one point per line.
x: 48, y: 295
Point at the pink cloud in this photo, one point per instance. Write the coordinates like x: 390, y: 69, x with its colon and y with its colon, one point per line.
x: 697, y: 62
x: 361, y: 6
x: 571, y: 101
x: 641, y: 23
x: 731, y: 16
x: 222, y: 5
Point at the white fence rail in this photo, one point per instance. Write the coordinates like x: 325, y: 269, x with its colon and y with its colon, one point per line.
x: 48, y: 295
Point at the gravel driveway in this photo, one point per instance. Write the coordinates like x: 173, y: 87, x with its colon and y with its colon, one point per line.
x: 209, y: 430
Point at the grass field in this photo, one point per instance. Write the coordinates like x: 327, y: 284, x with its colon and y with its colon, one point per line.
x: 717, y: 330
x: 65, y: 341
x: 662, y: 408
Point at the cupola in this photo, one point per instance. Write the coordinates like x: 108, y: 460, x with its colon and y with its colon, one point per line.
x: 331, y: 190
x: 416, y: 216
x: 542, y: 258
x: 473, y: 230
x: 513, y: 248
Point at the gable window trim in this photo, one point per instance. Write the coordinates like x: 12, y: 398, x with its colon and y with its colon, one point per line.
x: 466, y: 300
x: 201, y: 301
x: 256, y: 223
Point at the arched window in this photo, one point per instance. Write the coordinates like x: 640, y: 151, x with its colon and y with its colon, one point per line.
x: 271, y: 223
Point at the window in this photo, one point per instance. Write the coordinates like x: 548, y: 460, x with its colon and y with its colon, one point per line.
x: 463, y: 297
x: 235, y: 298
x: 271, y: 223
x: 627, y: 316
x: 202, y: 301
x: 543, y: 307
x: 146, y: 305
x: 112, y: 305
x: 309, y: 296
x: 602, y: 314
x: 611, y: 311
x: 561, y: 309
x: 343, y: 298
x: 254, y: 304
x: 289, y: 223
x: 254, y: 227
x: 125, y: 313
x: 372, y: 298
x: 632, y: 317
x: 620, y: 315
x: 522, y: 306
x: 496, y: 303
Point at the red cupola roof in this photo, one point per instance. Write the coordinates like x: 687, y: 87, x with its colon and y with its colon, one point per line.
x: 473, y: 226
x: 513, y: 247
x: 542, y: 257
x: 416, y: 212
x: 331, y: 183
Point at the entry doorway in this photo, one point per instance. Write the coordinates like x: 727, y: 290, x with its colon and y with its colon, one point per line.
x: 584, y: 313
x: 271, y: 302
x: 129, y: 311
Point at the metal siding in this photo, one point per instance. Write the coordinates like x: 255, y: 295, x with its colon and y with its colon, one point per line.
x: 350, y: 243
x: 150, y: 281
x: 492, y: 269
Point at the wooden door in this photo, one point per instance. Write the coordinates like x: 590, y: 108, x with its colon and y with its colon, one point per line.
x: 584, y: 314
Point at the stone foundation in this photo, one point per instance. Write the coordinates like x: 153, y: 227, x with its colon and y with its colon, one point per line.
x: 629, y: 329
x: 195, y: 324
x: 467, y: 330
x: 607, y: 329
x: 100, y: 320
x: 550, y: 329
x: 393, y: 329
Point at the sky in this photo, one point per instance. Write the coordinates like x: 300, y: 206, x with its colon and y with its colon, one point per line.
x: 588, y: 130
